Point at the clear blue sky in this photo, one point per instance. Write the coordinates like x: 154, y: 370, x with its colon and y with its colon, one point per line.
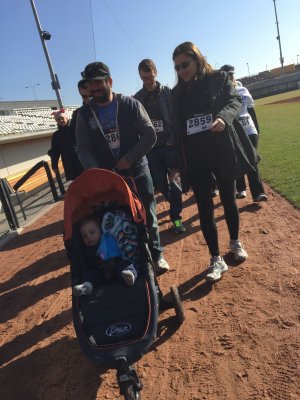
x: 233, y: 32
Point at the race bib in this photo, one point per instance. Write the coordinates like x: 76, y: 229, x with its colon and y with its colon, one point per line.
x: 112, y: 137
x: 158, y: 125
x: 248, y: 125
x: 244, y: 121
x: 199, y: 124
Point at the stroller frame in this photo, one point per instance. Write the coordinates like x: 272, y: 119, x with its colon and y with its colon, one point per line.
x: 83, y: 198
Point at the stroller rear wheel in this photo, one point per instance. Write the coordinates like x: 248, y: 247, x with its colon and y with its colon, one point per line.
x: 177, y: 304
x: 130, y: 393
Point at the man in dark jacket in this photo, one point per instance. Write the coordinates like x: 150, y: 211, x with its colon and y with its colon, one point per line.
x: 114, y: 132
x: 156, y: 99
x: 63, y: 145
x: 85, y: 95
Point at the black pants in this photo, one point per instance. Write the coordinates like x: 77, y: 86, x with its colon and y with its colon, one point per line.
x: 110, y: 269
x: 200, y: 181
x: 161, y: 160
x: 255, y: 183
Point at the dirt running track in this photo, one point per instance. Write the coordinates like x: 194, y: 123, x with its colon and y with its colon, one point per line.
x: 240, y: 340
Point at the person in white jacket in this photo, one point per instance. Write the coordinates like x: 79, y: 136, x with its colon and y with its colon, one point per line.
x: 248, y: 121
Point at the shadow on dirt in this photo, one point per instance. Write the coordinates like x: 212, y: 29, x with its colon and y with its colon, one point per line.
x: 58, y: 371
x: 189, y: 290
x: 165, y: 330
x: 30, y: 338
x: 26, y: 238
x: 251, y: 208
x: 29, y: 295
x: 195, y: 288
x: 52, y: 262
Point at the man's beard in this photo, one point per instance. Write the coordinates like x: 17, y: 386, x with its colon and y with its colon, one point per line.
x: 101, y: 96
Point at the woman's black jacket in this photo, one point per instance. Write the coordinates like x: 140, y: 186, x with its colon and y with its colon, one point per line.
x: 236, y: 154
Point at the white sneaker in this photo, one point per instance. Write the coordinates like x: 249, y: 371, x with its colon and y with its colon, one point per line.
x: 129, y: 275
x: 215, y: 193
x: 216, y: 268
x: 260, y: 197
x: 85, y: 289
x: 238, y: 250
x: 161, y: 266
x: 241, y: 195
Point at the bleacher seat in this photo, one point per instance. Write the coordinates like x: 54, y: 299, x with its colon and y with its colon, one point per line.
x: 25, y: 120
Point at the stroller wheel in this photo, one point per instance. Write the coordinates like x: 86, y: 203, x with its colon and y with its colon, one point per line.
x: 128, y: 380
x: 130, y: 393
x: 177, y: 304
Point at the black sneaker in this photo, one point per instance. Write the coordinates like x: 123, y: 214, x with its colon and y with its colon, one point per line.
x: 178, y: 227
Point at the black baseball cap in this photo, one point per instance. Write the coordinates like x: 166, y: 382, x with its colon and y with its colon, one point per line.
x: 96, y: 71
x: 228, y: 68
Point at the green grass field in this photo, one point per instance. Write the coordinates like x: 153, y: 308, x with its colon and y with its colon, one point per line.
x: 279, y: 145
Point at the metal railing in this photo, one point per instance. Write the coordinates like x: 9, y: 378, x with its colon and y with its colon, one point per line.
x: 6, y: 192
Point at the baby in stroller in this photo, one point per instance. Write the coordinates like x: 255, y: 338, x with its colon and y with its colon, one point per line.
x: 111, y: 248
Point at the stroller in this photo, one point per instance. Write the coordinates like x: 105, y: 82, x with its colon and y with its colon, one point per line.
x: 116, y: 324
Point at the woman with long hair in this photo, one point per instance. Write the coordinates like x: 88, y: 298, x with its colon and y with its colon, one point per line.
x: 205, y: 106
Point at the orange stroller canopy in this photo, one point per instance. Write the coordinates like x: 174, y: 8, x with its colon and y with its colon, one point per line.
x: 93, y: 189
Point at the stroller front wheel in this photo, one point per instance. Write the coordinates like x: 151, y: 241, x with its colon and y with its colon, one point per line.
x: 130, y: 393
x: 128, y: 380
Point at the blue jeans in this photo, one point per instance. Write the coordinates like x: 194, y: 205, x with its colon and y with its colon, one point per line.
x: 145, y: 191
x: 161, y: 160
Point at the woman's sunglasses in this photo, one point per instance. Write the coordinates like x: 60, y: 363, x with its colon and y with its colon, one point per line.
x: 183, y: 65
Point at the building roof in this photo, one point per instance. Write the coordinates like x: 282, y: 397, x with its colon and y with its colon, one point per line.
x: 282, y: 79
x: 23, y: 123
x: 11, y: 105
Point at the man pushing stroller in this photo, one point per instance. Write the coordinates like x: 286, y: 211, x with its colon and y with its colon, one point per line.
x: 114, y: 132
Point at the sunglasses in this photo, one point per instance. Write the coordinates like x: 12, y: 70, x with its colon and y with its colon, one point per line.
x: 183, y: 65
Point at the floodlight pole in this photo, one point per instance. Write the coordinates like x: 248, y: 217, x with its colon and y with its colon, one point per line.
x: 278, y: 36
x: 46, y: 36
x: 32, y: 87
x: 248, y: 69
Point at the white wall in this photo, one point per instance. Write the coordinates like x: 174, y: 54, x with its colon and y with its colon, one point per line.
x: 21, y: 155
